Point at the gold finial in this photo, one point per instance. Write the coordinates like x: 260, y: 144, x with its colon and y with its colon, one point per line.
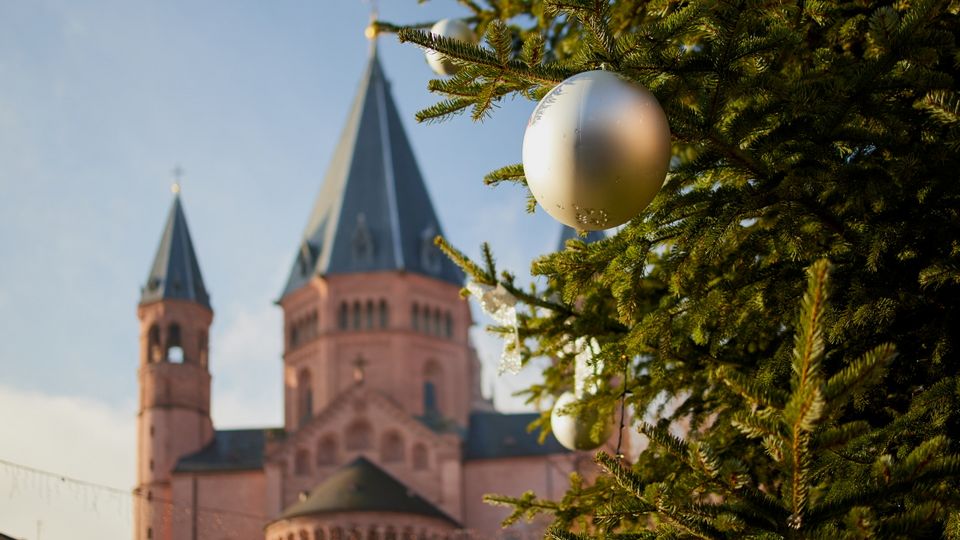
x: 371, y: 30
x: 177, y: 177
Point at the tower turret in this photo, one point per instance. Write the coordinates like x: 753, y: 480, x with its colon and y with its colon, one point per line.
x: 174, y: 414
x: 368, y: 284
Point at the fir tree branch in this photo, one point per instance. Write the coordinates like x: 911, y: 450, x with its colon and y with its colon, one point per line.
x: 861, y: 373
x: 511, y: 173
x: 482, y: 57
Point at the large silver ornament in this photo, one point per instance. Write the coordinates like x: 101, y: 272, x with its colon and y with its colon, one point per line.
x: 449, y: 28
x: 575, y: 431
x: 596, y: 150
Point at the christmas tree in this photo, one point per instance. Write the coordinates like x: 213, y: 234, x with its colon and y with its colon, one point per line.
x: 792, y: 294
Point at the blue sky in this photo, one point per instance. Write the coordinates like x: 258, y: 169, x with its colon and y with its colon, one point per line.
x: 99, y: 100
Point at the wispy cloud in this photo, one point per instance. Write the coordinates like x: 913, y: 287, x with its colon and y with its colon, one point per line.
x: 247, y: 369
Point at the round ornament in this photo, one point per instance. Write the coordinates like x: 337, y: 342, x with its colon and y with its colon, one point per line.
x: 596, y: 150
x: 449, y: 28
x: 574, y: 432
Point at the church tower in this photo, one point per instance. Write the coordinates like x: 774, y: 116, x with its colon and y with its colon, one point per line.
x: 369, y: 295
x: 174, y: 414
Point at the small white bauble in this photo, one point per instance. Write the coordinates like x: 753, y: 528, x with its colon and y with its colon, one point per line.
x: 449, y: 28
x: 574, y: 432
x: 596, y: 150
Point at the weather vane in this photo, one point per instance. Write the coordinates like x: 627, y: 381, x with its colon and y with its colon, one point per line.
x: 177, y: 178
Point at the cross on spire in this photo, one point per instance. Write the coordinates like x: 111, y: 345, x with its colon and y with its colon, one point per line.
x: 177, y: 178
x: 359, y: 373
x: 371, y: 29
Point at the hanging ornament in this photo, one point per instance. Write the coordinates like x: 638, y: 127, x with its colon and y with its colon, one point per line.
x: 500, y: 305
x: 575, y: 431
x: 596, y: 150
x: 448, y: 28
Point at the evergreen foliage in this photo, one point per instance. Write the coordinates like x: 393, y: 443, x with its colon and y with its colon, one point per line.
x: 803, y: 132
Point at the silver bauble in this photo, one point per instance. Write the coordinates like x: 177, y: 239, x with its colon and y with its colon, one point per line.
x: 596, y: 150
x: 574, y: 432
x: 449, y: 28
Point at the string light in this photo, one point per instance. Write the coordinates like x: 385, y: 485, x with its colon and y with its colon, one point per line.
x: 33, y: 476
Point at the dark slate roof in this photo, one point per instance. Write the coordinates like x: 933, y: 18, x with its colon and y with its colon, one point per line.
x: 569, y: 233
x: 361, y: 486
x: 175, y: 272
x: 230, y: 450
x: 373, y: 211
x: 496, y: 435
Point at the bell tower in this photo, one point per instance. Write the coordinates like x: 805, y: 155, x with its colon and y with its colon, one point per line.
x: 173, y: 419
x: 368, y: 286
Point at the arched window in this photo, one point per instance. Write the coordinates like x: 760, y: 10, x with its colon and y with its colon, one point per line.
x: 357, y: 315
x: 369, y: 314
x: 436, y: 323
x: 425, y: 319
x: 336, y: 533
x: 448, y: 325
x: 319, y: 534
x: 327, y: 451
x: 432, y: 378
x: 359, y: 436
x: 342, y: 316
x: 174, y: 345
x: 294, y: 336
x: 408, y: 534
x: 384, y: 314
x: 304, y: 396
x: 415, y: 316
x: 373, y: 533
x: 390, y: 534
x: 301, y: 462
x: 430, y: 398
x: 420, y: 460
x: 154, y: 352
x: 304, y: 535
x: 391, y: 447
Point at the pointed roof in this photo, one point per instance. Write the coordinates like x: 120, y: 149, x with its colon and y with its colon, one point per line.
x: 569, y: 233
x: 229, y: 450
x: 175, y: 273
x: 362, y: 486
x: 373, y: 211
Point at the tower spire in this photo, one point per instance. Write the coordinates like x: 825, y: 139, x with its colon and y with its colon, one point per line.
x: 373, y: 212
x: 175, y: 273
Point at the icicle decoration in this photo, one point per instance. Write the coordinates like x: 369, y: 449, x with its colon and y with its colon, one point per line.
x: 583, y: 371
x: 498, y: 303
x: 584, y: 367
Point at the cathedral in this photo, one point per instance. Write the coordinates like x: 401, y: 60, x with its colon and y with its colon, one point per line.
x: 386, y: 435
